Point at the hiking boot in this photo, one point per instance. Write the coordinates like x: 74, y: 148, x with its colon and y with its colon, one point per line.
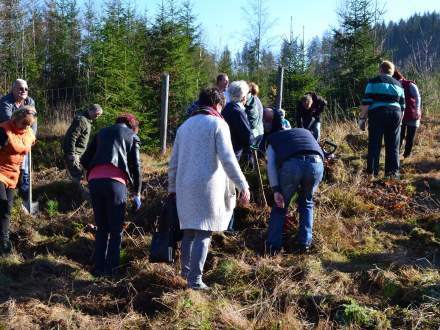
x: 5, y: 247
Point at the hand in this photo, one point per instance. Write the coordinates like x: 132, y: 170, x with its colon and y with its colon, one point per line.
x: 279, y: 200
x: 137, y: 202
x: 244, y: 196
x: 362, y: 123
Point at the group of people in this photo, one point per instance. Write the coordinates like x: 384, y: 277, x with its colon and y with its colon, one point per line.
x: 204, y: 174
x: 392, y: 105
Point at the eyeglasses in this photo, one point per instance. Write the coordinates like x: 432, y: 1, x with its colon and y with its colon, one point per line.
x: 33, y: 113
x: 23, y: 89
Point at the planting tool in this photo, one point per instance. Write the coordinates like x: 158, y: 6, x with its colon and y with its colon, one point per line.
x: 260, y: 179
x: 30, y: 206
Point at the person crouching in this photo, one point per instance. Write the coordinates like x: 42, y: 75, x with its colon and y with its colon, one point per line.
x: 294, y: 165
x: 16, y: 140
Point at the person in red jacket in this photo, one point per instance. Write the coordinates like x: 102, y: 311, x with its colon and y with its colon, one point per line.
x: 412, y: 114
x: 16, y: 140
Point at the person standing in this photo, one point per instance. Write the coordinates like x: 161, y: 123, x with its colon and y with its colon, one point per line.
x: 76, y: 140
x: 222, y: 83
x: 112, y: 161
x: 203, y: 173
x: 309, y: 111
x: 11, y: 102
x: 16, y: 139
x: 294, y: 165
x: 412, y: 114
x: 383, y: 103
x: 235, y: 116
x: 254, y: 112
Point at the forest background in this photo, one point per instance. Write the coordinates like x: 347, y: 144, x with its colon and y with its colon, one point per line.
x: 71, y: 57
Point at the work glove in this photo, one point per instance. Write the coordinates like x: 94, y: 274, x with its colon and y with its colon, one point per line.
x: 362, y: 123
x: 137, y: 202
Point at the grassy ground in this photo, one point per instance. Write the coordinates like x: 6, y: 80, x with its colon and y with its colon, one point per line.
x: 375, y: 261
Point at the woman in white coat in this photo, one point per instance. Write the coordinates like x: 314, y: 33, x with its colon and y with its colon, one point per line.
x: 204, y: 173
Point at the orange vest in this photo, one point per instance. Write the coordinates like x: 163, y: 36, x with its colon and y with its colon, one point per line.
x: 11, y: 155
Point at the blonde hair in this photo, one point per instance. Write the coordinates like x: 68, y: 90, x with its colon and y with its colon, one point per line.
x: 254, y: 89
x: 387, y: 67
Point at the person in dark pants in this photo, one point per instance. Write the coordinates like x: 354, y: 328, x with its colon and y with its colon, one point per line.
x: 309, y: 111
x: 412, y: 114
x: 112, y: 161
x: 235, y: 116
x: 294, y: 165
x: 16, y: 139
x: 384, y: 103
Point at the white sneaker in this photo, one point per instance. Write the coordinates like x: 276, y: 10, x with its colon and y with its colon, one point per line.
x: 199, y: 286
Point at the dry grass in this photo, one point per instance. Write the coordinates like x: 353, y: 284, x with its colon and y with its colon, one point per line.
x: 375, y: 261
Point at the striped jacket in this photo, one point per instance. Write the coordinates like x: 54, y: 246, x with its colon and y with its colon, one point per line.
x: 384, y: 92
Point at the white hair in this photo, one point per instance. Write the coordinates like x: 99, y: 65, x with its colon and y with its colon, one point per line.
x: 19, y: 81
x: 237, y: 90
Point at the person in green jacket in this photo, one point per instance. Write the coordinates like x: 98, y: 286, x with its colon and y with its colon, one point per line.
x: 76, y: 140
x: 254, y: 112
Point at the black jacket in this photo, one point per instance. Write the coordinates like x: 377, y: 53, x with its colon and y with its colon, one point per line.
x: 238, y: 125
x: 304, y: 116
x: 117, y: 145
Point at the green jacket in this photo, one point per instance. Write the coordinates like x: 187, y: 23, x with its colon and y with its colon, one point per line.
x: 77, y: 136
x: 254, y: 112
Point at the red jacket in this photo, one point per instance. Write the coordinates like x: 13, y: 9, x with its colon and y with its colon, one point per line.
x: 411, y: 112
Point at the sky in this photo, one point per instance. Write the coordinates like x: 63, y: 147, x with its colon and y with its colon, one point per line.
x: 223, y: 22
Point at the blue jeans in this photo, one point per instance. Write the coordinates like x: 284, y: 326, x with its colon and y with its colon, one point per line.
x: 109, y: 198
x: 301, y: 174
x: 383, y: 124
x: 24, y: 184
x: 316, y: 130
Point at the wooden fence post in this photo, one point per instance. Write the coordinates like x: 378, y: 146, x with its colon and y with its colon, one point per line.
x: 279, y: 99
x: 164, y: 112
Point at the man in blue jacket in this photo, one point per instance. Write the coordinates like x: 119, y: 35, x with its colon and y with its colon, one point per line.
x: 16, y: 98
x: 294, y: 165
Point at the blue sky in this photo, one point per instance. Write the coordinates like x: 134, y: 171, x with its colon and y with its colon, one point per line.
x: 223, y: 22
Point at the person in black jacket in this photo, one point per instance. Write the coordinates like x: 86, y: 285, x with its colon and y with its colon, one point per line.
x: 112, y: 160
x: 308, y: 115
x: 235, y: 115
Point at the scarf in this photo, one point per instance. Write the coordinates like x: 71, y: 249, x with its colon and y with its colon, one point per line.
x: 207, y: 111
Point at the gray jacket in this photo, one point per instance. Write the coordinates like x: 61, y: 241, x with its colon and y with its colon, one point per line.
x: 8, y: 106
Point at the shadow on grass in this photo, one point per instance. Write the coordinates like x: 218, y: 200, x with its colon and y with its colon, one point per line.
x: 65, y: 193
x: 426, y: 166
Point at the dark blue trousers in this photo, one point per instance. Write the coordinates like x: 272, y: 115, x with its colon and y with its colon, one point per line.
x: 383, y: 124
x: 109, y: 199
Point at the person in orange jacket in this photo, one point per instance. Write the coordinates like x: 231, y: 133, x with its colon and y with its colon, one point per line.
x: 16, y: 140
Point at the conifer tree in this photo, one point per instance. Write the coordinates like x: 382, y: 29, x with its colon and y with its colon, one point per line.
x: 356, y: 53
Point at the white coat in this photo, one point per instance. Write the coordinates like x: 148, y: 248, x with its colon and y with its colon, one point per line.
x: 203, y: 172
